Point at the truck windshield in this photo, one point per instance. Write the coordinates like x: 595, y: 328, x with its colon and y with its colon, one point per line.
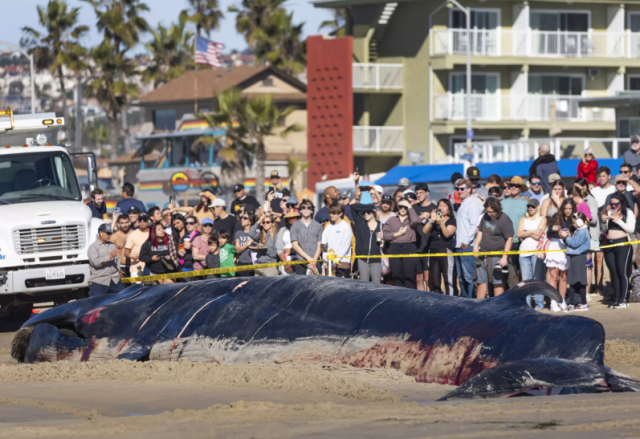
x: 42, y: 176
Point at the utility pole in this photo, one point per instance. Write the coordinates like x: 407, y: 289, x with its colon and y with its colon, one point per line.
x: 78, y: 136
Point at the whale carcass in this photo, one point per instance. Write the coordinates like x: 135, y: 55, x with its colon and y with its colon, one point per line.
x: 494, y: 347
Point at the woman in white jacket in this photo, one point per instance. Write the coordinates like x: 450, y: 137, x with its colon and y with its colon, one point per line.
x: 620, y: 224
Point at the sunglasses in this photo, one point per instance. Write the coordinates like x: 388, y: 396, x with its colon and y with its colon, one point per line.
x: 535, y: 183
x: 207, y: 225
x: 529, y: 206
x: 514, y: 185
x: 244, y: 217
x: 306, y: 208
x: 621, y: 182
x: 191, y: 223
x: 402, y: 207
x: 368, y: 213
x: 615, y: 204
x: 266, y: 222
x: 625, y: 172
x: 460, y: 189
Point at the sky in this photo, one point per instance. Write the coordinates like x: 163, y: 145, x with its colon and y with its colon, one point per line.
x: 23, y: 13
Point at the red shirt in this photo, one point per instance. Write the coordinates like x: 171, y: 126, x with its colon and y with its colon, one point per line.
x: 588, y: 170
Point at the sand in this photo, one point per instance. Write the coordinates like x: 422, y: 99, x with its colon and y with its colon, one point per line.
x: 166, y: 400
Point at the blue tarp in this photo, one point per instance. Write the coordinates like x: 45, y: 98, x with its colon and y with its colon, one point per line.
x: 442, y: 173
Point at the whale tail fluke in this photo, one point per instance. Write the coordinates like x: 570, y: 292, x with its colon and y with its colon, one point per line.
x: 540, y: 376
x: 519, y: 293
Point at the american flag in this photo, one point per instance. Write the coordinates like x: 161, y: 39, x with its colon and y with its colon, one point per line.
x: 208, y: 52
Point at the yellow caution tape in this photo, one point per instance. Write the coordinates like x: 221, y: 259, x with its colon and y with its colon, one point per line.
x: 209, y: 271
x: 334, y: 258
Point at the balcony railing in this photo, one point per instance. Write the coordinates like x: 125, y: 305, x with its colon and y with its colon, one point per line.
x: 495, y: 151
x: 493, y: 107
x: 378, y: 139
x: 592, y: 44
x: 377, y: 76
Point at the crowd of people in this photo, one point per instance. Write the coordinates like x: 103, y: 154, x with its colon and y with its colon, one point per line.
x: 403, y: 239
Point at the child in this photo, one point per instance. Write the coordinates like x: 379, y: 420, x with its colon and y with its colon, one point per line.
x: 213, y: 258
x: 577, y: 250
x: 227, y: 252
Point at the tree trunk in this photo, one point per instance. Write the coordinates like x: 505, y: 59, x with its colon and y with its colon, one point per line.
x: 113, y: 136
x: 261, y: 157
x: 125, y: 129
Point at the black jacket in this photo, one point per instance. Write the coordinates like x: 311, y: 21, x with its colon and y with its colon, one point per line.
x: 148, y: 251
x: 366, y: 242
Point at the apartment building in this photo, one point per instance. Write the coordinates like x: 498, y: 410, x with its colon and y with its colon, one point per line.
x: 532, y: 62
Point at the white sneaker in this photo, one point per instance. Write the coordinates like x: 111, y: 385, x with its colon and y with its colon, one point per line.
x: 619, y: 306
x: 563, y: 306
x: 589, y: 298
x: 555, y: 307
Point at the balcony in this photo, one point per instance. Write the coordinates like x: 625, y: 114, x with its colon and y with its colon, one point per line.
x: 378, y: 139
x: 377, y: 76
x: 537, y: 108
x: 533, y: 43
x: 519, y: 150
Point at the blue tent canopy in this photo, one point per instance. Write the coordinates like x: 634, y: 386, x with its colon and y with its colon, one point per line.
x: 419, y: 174
x: 442, y: 173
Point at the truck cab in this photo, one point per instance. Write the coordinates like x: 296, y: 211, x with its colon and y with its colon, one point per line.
x: 46, y: 226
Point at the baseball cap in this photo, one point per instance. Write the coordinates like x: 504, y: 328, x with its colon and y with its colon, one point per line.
x: 134, y: 209
x: 455, y: 177
x: 404, y: 182
x: 275, y: 174
x: 378, y: 189
x: 206, y: 221
x: 422, y: 187
x: 553, y: 177
x: 143, y: 217
x: 238, y: 187
x: 218, y: 202
x: 473, y: 172
x: 410, y: 195
x: 533, y: 202
x: 386, y: 198
x: 292, y: 200
x: 106, y: 228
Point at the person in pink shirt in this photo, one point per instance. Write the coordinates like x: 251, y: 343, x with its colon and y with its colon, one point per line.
x: 578, y: 197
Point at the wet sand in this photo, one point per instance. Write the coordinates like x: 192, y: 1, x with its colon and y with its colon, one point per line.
x: 167, y: 400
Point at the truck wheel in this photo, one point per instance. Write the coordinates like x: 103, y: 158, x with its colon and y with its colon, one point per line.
x: 20, y: 312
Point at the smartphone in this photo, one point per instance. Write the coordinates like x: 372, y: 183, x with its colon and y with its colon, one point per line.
x: 439, y: 213
x: 357, y: 170
x: 365, y: 188
x: 171, y: 199
x: 266, y: 206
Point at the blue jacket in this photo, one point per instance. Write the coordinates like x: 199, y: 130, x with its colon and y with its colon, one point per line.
x: 579, y: 243
x: 544, y: 170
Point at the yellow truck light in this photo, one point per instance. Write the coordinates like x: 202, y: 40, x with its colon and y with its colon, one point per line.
x: 48, y: 122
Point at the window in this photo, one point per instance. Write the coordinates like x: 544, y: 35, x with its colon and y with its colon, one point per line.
x: 480, y: 83
x: 268, y: 82
x: 560, y: 21
x: 556, y: 85
x: 165, y: 120
x: 628, y: 126
x: 634, y: 83
x: 480, y: 19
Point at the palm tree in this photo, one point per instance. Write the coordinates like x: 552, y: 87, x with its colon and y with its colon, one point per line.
x: 110, y: 85
x: 206, y: 14
x: 171, y: 51
x: 121, y: 23
x: 57, y: 48
x: 269, y: 31
x: 295, y: 169
x: 337, y: 24
x: 264, y: 119
x: 236, y: 152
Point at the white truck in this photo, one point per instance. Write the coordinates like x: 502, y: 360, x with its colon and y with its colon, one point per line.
x: 45, y: 227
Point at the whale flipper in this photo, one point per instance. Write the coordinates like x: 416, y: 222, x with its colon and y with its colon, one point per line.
x: 510, y: 379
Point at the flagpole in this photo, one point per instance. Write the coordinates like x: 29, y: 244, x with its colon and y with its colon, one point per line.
x: 195, y: 83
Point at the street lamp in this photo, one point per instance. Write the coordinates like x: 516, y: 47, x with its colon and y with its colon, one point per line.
x: 33, y: 81
x: 467, y: 13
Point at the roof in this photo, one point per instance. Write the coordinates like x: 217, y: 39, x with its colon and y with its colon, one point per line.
x: 620, y: 101
x: 204, y: 84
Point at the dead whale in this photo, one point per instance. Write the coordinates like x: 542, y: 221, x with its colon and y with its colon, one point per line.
x: 494, y: 347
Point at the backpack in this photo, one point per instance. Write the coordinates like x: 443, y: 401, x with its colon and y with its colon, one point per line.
x: 634, y: 287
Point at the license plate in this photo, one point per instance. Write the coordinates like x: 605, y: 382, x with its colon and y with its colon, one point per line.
x: 54, y: 273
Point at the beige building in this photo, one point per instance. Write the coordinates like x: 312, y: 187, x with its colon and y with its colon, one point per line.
x: 530, y: 60
x: 195, y: 92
